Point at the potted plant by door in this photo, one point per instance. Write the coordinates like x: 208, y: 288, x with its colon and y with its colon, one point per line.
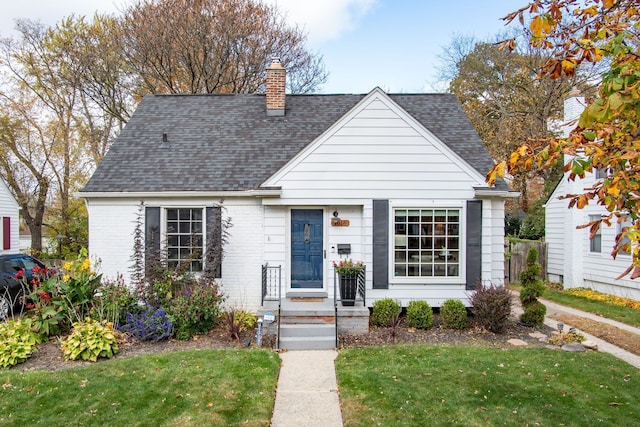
x: 348, y: 272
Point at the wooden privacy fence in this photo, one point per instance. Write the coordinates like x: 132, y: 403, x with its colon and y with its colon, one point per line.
x: 516, y: 258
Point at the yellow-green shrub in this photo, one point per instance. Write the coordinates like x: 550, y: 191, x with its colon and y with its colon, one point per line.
x: 17, y: 341
x: 89, y: 340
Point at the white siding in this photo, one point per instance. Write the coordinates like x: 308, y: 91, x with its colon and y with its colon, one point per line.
x: 379, y: 152
x: 555, y: 225
x: 376, y: 152
x: 493, y: 241
x: 9, y: 209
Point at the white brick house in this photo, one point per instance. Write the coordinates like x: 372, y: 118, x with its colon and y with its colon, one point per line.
x: 397, y: 180
x: 9, y: 220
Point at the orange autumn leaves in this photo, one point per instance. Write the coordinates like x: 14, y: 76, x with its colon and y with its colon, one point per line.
x: 607, y: 135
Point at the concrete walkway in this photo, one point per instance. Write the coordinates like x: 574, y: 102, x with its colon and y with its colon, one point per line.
x: 556, y: 310
x: 307, y: 393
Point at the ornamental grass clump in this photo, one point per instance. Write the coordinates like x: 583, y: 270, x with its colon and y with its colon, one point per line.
x: 491, y: 307
x: 419, y: 315
x: 384, y: 311
x: 239, y: 321
x: 453, y: 314
x: 532, y: 289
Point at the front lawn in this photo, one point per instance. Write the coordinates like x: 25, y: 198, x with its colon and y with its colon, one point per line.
x: 188, y: 388
x: 622, y: 314
x: 473, y: 386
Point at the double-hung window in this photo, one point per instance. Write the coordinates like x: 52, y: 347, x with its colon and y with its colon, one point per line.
x: 595, y: 245
x: 427, y: 243
x: 185, y: 238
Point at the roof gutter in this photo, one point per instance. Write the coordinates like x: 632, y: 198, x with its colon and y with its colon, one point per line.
x: 492, y: 192
x: 271, y: 192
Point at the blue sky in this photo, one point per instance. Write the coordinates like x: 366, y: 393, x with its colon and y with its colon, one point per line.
x: 393, y: 44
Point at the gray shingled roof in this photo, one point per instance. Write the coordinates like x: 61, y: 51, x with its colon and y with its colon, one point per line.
x: 227, y: 142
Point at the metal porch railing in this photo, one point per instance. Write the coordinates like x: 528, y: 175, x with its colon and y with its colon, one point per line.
x: 272, y: 291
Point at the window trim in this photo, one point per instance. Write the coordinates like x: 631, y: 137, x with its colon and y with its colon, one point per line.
x: 599, y: 234
x: 460, y: 279
x: 619, y: 226
x: 164, y: 246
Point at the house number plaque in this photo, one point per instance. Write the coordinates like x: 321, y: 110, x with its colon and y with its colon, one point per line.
x: 340, y: 222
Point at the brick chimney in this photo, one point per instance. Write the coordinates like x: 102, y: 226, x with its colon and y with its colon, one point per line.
x: 276, y: 80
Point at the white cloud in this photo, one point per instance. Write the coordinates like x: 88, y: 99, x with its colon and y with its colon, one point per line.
x: 324, y: 20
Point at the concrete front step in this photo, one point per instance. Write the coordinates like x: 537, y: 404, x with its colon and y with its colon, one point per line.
x: 307, y: 343
x: 307, y: 330
x: 307, y: 333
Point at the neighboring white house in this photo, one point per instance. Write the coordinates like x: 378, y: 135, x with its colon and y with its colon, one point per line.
x: 394, y: 180
x: 573, y: 259
x: 9, y: 220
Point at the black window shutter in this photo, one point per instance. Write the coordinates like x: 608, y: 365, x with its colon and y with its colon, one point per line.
x: 474, y: 243
x: 380, y: 244
x: 151, y: 235
x: 213, y: 253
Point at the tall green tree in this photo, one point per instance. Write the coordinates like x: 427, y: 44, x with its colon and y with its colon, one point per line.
x: 607, y: 135
x: 508, y: 106
x: 38, y: 64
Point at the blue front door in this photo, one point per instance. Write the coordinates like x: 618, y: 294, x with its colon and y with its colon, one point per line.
x: 306, y: 248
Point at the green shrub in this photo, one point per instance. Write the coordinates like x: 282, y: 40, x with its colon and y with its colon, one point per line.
x: 196, y: 311
x: 113, y: 301
x: 531, y: 292
x: 419, y: 315
x: 532, y: 288
x: 453, y: 314
x: 534, y: 313
x: 491, y: 307
x: 89, y: 340
x: 384, y: 310
x: 17, y: 341
x: 532, y: 272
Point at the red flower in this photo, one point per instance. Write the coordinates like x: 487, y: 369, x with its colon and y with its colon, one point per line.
x: 35, y: 282
x: 44, y: 296
x: 36, y: 269
x: 29, y: 306
x: 19, y: 274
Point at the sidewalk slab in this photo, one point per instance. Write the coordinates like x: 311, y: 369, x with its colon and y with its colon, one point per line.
x: 307, y: 393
